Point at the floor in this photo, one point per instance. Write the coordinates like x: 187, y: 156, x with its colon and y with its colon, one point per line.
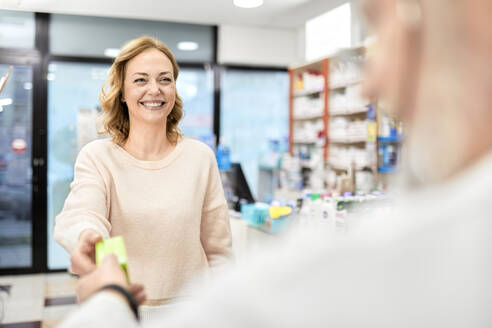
x: 40, y: 300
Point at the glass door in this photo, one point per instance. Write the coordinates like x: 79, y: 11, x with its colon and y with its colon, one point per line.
x: 15, y: 169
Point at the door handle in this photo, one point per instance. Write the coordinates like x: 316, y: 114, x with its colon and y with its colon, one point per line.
x: 38, y: 162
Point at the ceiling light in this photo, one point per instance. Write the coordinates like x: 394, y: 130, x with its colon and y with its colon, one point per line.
x: 111, y: 52
x: 5, y: 101
x: 248, y: 3
x: 187, y: 45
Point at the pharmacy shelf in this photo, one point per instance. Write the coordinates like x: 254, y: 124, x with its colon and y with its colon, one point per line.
x: 307, y: 166
x: 392, y: 139
x: 314, y: 65
x: 348, y: 111
x: 334, y: 84
x: 305, y: 93
x: 387, y: 169
x: 346, y: 141
x: 344, y: 84
x: 306, y: 142
x: 320, y: 68
x: 308, y: 118
x: 340, y: 167
x: 344, y: 168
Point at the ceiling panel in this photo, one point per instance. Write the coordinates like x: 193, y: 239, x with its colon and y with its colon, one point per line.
x: 274, y: 13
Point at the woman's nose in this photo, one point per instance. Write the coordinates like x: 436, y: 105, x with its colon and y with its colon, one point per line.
x: 154, y: 88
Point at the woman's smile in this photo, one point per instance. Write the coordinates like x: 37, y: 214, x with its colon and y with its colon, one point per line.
x: 153, y: 105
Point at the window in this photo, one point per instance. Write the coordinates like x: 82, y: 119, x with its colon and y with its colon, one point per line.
x: 73, y: 90
x: 15, y: 168
x: 254, y: 109
x: 16, y: 29
x: 196, y: 87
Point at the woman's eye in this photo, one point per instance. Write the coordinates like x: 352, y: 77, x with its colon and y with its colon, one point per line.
x: 166, y: 79
x: 139, y: 80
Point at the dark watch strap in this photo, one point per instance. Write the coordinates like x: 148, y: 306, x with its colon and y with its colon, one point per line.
x: 129, y: 297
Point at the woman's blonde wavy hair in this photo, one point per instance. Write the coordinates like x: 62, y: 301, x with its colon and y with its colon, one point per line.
x: 115, y: 118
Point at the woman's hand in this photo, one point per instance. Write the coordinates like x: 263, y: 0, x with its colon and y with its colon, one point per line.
x: 108, y: 273
x: 83, y: 258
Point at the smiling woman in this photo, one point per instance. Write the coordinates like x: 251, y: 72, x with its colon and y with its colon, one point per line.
x: 159, y: 190
x: 142, y: 63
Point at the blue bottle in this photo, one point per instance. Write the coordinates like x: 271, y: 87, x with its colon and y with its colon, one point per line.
x: 223, y: 156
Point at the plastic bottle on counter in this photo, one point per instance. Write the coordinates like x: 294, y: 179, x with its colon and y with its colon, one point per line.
x: 223, y: 155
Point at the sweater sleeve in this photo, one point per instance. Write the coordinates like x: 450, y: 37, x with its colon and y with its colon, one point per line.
x: 101, y: 310
x: 86, y: 206
x: 215, y: 230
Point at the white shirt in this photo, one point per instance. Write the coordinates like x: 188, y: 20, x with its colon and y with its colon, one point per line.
x: 428, y: 266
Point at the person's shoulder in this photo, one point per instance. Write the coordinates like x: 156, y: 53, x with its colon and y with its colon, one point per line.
x: 97, y: 148
x: 197, y: 147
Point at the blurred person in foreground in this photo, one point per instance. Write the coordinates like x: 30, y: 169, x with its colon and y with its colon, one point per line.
x: 428, y: 264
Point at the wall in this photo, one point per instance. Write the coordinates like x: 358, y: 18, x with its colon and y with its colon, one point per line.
x: 257, y: 46
x: 358, y: 28
x: 358, y: 32
x: 275, y: 46
x: 301, y: 45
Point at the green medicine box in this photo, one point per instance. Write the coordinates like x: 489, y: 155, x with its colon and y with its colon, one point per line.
x: 114, y: 246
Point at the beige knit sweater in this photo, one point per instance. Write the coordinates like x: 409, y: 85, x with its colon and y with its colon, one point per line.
x: 171, y: 213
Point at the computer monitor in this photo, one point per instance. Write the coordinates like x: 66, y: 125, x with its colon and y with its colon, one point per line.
x: 236, y: 187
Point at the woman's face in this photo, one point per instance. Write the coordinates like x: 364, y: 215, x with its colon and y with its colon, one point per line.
x: 149, y: 89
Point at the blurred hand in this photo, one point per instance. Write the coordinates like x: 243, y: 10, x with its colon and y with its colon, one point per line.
x: 109, y: 272
x: 138, y: 291
x: 83, y: 258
